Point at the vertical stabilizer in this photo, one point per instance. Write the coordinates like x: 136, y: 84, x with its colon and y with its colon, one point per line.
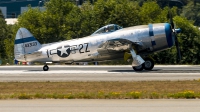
x: 25, y: 43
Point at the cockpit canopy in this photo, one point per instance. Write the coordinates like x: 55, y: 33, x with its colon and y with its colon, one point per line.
x: 107, y: 29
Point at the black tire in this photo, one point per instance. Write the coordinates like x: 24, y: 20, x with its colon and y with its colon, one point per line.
x: 148, y: 64
x: 45, y: 68
x: 138, y: 68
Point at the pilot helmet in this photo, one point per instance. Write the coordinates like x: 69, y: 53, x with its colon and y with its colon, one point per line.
x: 106, y: 29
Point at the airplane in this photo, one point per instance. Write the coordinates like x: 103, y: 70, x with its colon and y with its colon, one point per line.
x: 110, y: 42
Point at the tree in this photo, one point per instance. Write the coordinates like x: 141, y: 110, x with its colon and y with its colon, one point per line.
x: 88, y: 20
x: 191, y: 12
x: 64, y: 20
x: 49, y: 25
x: 9, y: 43
x: 73, y: 24
x: 125, y: 13
x: 31, y: 19
x: 55, y: 18
x: 189, y: 41
x: 3, y: 32
x: 149, y: 14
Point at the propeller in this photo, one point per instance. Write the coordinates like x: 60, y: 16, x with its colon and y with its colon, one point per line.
x: 175, y: 37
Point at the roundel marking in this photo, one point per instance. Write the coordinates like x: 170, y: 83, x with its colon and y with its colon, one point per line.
x: 64, y: 51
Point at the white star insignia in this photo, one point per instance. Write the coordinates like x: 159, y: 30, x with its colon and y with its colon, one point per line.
x: 63, y: 51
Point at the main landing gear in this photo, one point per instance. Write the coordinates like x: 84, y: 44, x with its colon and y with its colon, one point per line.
x: 147, y: 65
x: 45, y: 67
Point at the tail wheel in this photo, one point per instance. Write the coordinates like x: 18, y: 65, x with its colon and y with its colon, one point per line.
x: 148, y: 64
x: 138, y: 68
x: 45, y: 68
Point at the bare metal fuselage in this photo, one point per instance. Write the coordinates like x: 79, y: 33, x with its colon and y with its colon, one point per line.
x: 86, y: 49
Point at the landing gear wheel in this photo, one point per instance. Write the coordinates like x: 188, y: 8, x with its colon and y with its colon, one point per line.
x: 148, y: 64
x: 45, y: 68
x: 138, y: 68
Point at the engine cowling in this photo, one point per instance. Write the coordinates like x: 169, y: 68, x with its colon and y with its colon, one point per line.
x: 155, y: 37
x: 161, y: 36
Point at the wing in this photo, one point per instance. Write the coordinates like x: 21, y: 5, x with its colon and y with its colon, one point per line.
x: 120, y: 47
x: 116, y: 46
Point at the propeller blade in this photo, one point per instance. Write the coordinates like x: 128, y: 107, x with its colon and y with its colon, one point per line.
x: 170, y: 15
x: 170, y: 18
x: 175, y: 37
x: 177, y: 48
x: 172, y: 23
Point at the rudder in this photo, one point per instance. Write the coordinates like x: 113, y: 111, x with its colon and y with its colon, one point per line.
x: 25, y: 43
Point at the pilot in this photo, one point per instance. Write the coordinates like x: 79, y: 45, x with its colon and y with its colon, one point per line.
x: 106, y: 29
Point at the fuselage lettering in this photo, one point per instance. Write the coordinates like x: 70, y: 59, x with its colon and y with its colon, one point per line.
x: 86, y: 49
x: 30, y: 44
x: 73, y: 49
x: 80, y: 48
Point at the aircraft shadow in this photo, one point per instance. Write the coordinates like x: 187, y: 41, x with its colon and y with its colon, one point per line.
x: 34, y: 70
x: 144, y: 71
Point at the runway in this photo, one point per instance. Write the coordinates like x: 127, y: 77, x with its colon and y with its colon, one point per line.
x: 118, y: 68
x: 107, y: 105
x: 97, y: 73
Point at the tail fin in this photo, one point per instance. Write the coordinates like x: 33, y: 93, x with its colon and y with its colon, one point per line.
x: 25, y: 43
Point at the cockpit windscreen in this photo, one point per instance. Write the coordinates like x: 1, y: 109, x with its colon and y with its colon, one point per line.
x: 107, y: 29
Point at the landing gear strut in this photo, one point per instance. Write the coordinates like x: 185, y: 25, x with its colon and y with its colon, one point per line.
x: 45, y: 68
x: 147, y: 65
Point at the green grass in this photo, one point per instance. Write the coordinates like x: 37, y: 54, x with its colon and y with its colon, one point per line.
x: 101, y: 90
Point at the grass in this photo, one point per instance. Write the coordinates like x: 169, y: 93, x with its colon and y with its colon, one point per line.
x: 101, y: 90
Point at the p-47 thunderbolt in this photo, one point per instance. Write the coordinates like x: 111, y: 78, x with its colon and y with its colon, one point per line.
x: 107, y: 43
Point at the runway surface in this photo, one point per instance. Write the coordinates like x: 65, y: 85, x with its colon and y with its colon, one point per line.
x: 97, y: 73
x: 119, y: 105
x: 119, y: 68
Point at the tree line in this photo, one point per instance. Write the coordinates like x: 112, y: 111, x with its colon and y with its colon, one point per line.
x: 63, y: 20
